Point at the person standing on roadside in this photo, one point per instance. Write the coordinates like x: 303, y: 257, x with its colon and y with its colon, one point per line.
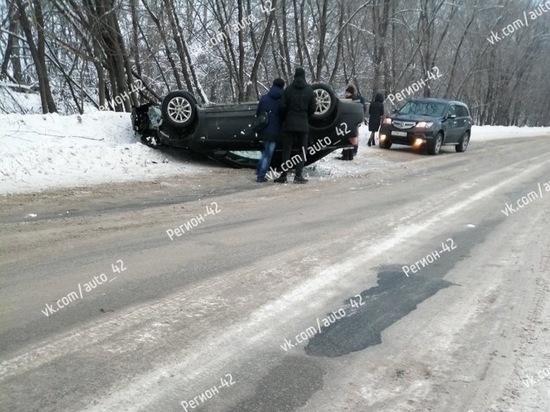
x: 269, y: 135
x: 349, y: 152
x: 364, y: 104
x: 376, y: 113
x: 297, y: 106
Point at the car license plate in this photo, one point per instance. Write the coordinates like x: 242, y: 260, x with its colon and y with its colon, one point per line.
x: 402, y: 134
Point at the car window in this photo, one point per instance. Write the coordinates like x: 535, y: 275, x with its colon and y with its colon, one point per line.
x: 431, y: 109
x: 462, y: 111
x: 452, y: 110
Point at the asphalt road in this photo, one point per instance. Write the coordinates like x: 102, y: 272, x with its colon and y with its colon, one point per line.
x: 407, y: 289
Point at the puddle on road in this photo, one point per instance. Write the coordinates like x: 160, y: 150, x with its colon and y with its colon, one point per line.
x: 394, y: 298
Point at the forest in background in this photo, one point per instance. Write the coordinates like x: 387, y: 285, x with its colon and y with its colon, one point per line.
x: 83, y: 53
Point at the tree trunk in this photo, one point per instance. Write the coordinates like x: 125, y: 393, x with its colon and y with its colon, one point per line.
x: 38, y: 52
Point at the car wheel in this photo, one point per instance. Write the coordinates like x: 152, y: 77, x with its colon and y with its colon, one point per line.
x: 384, y: 144
x: 463, y: 143
x: 435, y: 145
x: 179, y: 109
x: 326, y: 101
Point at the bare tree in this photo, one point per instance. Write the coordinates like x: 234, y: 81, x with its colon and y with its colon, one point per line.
x: 86, y: 52
x: 37, y: 49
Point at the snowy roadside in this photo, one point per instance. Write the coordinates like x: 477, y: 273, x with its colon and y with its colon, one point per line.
x: 39, y: 152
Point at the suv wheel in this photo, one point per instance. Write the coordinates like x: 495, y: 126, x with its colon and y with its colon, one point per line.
x: 463, y: 143
x: 384, y: 144
x: 326, y: 101
x: 179, y: 109
x: 435, y: 145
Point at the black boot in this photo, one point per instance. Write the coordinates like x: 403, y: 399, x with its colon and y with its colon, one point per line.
x: 281, y: 179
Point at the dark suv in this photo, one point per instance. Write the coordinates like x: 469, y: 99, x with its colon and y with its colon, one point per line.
x: 434, y: 122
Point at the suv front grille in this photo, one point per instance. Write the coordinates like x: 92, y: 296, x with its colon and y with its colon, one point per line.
x: 403, y: 125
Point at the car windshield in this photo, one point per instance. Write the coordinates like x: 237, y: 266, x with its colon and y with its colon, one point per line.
x: 423, y: 108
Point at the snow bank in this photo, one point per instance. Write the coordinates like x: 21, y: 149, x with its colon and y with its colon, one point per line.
x: 481, y: 133
x: 46, y: 151
x: 17, y: 102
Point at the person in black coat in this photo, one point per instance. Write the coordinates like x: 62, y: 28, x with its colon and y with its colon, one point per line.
x: 376, y: 112
x: 349, y: 152
x: 269, y: 135
x: 297, y: 106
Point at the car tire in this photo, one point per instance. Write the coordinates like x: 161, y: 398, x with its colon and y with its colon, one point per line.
x: 385, y: 144
x: 463, y: 143
x: 179, y: 109
x: 435, y: 145
x: 326, y: 101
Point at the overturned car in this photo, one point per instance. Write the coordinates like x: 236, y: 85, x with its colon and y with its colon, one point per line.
x: 225, y: 131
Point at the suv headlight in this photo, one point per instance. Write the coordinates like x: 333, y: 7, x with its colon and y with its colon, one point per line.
x: 387, y: 120
x: 424, y: 125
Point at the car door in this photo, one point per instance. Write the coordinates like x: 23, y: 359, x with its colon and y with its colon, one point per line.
x: 464, y: 122
x: 452, y: 125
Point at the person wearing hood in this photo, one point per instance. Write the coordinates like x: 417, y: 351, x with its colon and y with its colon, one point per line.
x: 269, y: 135
x: 297, y: 106
x: 376, y: 113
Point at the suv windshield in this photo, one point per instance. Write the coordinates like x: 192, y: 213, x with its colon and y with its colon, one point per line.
x: 423, y: 108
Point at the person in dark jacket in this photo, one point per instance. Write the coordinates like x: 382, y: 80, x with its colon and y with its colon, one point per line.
x: 365, y: 107
x: 269, y: 135
x: 297, y: 106
x: 376, y: 113
x: 349, y: 152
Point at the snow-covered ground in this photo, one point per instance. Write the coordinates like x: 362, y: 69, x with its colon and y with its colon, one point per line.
x: 40, y: 152
x: 18, y: 102
x: 46, y: 151
x: 481, y: 133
